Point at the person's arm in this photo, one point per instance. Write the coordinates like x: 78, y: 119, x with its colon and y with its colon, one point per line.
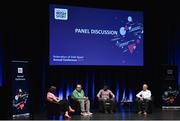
x: 139, y: 94
x: 56, y: 99
x: 74, y: 95
x: 99, y: 94
x: 83, y: 94
x: 110, y: 92
x: 52, y: 97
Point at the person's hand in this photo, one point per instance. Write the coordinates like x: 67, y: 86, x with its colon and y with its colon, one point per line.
x: 112, y: 99
x: 57, y: 99
x: 141, y: 98
x: 85, y: 98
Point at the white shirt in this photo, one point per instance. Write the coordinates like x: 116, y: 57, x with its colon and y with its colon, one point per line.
x: 144, y: 94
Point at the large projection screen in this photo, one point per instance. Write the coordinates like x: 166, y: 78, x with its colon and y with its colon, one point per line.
x: 94, y: 36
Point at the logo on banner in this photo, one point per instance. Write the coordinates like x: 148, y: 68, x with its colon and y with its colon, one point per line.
x: 20, y: 70
x: 20, y: 100
x: 60, y: 14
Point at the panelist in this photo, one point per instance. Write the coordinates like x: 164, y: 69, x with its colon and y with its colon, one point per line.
x: 78, y: 94
x: 61, y: 104
x: 143, y: 99
x: 106, y: 97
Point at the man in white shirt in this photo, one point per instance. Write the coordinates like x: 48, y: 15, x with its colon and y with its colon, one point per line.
x: 143, y: 98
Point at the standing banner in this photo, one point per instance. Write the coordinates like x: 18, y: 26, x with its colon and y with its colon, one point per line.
x: 20, y: 89
x: 170, y: 94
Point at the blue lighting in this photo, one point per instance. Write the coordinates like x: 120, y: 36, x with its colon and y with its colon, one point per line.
x: 68, y: 91
x: 117, y: 92
x: 86, y: 84
x: 60, y: 117
x: 124, y: 95
x: 122, y: 110
x: 60, y: 94
x: 130, y: 96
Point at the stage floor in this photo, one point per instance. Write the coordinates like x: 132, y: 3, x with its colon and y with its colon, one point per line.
x: 156, y: 115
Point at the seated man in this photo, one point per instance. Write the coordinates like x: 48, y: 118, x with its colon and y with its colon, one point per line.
x: 143, y: 99
x: 105, y: 96
x: 78, y: 94
x: 61, y: 104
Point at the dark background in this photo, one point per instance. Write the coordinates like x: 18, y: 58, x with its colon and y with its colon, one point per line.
x: 24, y: 26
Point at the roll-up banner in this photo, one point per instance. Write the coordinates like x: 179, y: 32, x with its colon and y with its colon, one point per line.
x: 20, y: 89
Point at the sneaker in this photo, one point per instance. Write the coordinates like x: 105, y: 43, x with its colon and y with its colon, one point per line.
x: 145, y: 113
x: 89, y: 113
x: 139, y: 112
x: 84, y: 114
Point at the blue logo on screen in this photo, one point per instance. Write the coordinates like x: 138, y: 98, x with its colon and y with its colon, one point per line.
x: 60, y: 14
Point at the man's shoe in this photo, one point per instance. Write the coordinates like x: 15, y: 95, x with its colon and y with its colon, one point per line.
x: 89, y: 113
x: 139, y: 112
x: 84, y: 114
x: 145, y: 113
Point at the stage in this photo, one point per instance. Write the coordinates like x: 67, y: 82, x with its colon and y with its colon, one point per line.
x: 113, y: 51
x: 157, y: 114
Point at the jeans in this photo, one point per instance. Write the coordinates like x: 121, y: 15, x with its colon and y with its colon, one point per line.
x: 85, y: 105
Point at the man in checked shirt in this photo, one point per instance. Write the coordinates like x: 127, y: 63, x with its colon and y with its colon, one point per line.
x: 106, y: 99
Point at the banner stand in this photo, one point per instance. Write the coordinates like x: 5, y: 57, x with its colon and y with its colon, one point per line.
x: 170, y: 93
x: 20, y: 89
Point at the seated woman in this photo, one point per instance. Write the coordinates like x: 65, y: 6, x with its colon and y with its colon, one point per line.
x: 62, y: 104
